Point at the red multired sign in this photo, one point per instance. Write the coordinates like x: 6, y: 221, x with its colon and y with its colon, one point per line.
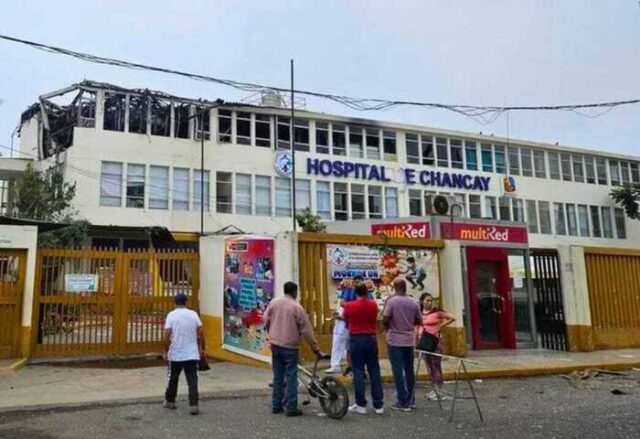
x: 484, y: 232
x: 402, y: 230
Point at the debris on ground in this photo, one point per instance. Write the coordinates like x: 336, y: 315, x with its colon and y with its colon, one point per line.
x: 593, y: 379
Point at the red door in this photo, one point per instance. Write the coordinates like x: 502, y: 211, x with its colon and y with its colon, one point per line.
x: 491, y: 305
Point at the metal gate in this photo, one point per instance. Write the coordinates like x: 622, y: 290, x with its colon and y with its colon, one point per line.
x: 549, y: 310
x: 108, y: 302
x: 12, y: 273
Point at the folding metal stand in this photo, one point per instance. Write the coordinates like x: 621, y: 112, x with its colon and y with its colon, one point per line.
x: 461, y: 374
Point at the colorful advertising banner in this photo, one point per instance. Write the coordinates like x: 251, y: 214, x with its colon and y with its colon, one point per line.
x: 248, y: 289
x: 485, y: 232
x: 379, y: 268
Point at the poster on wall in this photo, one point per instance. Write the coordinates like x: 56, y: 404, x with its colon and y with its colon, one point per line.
x: 248, y: 289
x: 379, y: 268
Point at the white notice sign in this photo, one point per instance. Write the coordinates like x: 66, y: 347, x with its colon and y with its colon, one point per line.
x: 79, y: 283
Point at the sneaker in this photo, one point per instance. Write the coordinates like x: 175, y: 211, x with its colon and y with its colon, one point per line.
x: 379, y: 411
x: 358, y: 409
x: 293, y: 413
x: 332, y: 370
x: 431, y: 395
x: 400, y: 408
x: 169, y: 405
x: 194, y: 410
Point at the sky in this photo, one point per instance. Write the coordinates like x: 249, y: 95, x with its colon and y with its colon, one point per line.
x: 491, y: 52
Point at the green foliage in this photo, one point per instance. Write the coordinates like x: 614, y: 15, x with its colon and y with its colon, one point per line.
x: 74, y: 235
x: 309, y: 222
x: 43, y: 197
x: 628, y: 196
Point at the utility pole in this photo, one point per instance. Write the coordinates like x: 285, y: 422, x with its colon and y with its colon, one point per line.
x: 202, y: 170
x: 292, y: 131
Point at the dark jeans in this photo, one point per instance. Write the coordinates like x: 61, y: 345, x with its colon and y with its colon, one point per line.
x: 401, y: 359
x: 191, y: 372
x: 284, y: 362
x: 364, y: 352
x: 417, y: 282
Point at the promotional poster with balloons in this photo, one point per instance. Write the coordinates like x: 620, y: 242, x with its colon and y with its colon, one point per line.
x: 248, y: 289
x: 379, y: 267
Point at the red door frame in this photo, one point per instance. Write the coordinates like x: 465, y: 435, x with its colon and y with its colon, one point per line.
x: 503, y: 285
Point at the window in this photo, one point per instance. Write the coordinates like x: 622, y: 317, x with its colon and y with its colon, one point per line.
x: 415, y: 202
x: 461, y: 200
x: 111, y: 184
x: 442, y: 152
x: 114, y: 111
x: 527, y: 162
x: 471, y: 155
x: 561, y: 224
x: 544, y: 215
x: 505, y: 208
x: 341, y: 201
x: 607, y: 227
x: 572, y: 221
x: 595, y: 221
x: 583, y: 220
x: 87, y: 109
x: 357, y: 202
x: 590, y: 170
x: 621, y: 230
x: 283, y: 133
x: 554, y: 165
x: 160, y: 117
x: 339, y: 139
x: 138, y: 114
x: 412, y: 148
x: 565, y: 161
x: 539, y: 164
x: 243, y: 194
x: 373, y: 143
x: 624, y: 172
x: 283, y: 197
x: 243, y: 129
x: 389, y: 144
x: 224, y: 126
x: 635, y: 173
x: 518, y: 210
x: 475, y: 206
x: 514, y: 161
x: 135, y: 186
x: 500, y: 159
x: 391, y: 202
x: 578, y: 168
x: 181, y: 120
x: 428, y: 154
x: 323, y: 199
x: 375, y: 201
x: 203, y: 123
x: 200, y: 183
x: 301, y: 135
x: 532, y: 216
x: 263, y: 195
x: 455, y: 147
x: 490, y: 207
x: 356, y: 147
x: 303, y: 195
x: 159, y: 187
x: 614, y: 173
x: 322, y: 138
x: 180, y: 189
x: 487, y: 157
x: 601, y: 170
x: 263, y: 130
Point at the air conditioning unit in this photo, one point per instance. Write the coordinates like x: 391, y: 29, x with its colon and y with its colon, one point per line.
x: 439, y: 205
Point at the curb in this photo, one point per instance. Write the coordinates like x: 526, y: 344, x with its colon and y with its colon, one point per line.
x: 15, y: 366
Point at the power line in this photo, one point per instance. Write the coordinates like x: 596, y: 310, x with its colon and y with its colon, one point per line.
x: 481, y: 113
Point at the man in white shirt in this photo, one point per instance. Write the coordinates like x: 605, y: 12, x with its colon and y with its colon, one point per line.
x: 340, y: 341
x: 184, y: 346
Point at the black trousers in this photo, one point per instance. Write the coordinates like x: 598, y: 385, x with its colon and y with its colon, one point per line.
x: 191, y: 372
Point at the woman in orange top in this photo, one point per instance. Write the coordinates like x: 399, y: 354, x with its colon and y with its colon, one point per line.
x: 433, y: 320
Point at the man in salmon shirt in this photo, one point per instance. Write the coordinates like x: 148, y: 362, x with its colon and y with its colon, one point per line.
x: 361, y: 316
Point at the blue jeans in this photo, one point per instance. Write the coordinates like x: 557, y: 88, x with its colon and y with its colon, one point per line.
x: 284, y: 362
x: 401, y: 358
x: 364, y: 351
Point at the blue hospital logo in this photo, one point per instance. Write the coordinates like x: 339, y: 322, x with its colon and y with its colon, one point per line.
x: 339, y: 256
x: 283, y: 163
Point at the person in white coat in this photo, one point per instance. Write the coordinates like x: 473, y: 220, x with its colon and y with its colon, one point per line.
x: 340, y: 341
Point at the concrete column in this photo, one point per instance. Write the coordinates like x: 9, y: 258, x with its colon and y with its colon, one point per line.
x: 452, y: 297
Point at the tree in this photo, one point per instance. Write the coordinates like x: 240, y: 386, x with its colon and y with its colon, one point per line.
x: 310, y: 222
x: 628, y: 196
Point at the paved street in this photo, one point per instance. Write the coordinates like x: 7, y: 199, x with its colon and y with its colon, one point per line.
x: 548, y: 407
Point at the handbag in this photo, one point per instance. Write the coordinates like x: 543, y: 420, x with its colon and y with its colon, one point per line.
x: 427, y: 342
x: 203, y: 365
